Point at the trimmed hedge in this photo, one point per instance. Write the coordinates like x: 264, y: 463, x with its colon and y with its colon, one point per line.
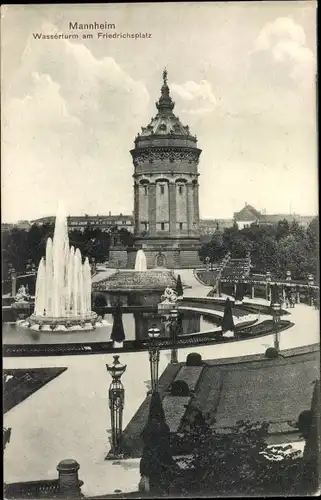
x: 194, y: 359
x: 179, y: 388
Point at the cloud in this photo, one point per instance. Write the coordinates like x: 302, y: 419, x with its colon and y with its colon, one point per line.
x: 282, y: 28
x: 283, y: 43
x: 199, y: 95
x: 66, y: 119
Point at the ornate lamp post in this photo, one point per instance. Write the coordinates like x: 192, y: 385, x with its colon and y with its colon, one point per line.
x: 13, y: 282
x: 173, y: 314
x: 153, y: 351
x: 310, y: 289
x: 276, y: 320
x: 116, y: 405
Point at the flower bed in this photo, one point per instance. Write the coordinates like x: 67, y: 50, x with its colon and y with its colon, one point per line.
x: 19, y: 384
x: 175, y: 409
x: 263, y: 328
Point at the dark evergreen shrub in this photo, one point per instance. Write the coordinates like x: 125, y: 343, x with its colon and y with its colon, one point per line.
x: 271, y: 353
x: 305, y: 422
x: 179, y: 388
x: 194, y: 359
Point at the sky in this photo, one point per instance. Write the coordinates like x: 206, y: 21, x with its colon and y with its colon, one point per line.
x: 242, y: 76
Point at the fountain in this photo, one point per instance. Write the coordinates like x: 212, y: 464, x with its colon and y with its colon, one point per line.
x: 63, y: 286
x: 135, y: 287
x: 140, y: 262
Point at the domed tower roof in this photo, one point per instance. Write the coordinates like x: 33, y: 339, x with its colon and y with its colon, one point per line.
x: 165, y: 123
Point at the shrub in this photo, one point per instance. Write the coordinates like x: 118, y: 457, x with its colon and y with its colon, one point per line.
x: 100, y: 301
x: 305, y: 422
x: 194, y: 359
x: 179, y: 388
x: 271, y: 353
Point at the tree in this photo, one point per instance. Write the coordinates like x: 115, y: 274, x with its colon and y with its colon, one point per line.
x: 157, y: 463
x: 228, y: 322
x: 293, y: 255
x: 282, y: 229
x: 238, y: 461
x: 264, y: 253
x: 117, y: 333
x: 179, y: 286
x: 313, y: 232
x: 126, y: 237
x: 296, y: 229
x: 313, y: 245
x: 236, y: 242
x: 215, y: 250
x: 239, y: 291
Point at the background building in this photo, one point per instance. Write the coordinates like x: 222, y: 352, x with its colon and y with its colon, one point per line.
x: 209, y: 226
x: 21, y: 224
x: 103, y: 222
x: 249, y: 215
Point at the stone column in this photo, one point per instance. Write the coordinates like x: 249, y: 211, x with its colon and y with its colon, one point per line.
x: 196, y: 208
x: 13, y: 284
x: 190, y: 208
x: 152, y: 208
x: 172, y: 208
x: 253, y: 292
x: 69, y: 485
x: 136, y: 208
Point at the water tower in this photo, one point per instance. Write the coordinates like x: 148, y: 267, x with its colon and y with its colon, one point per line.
x: 166, y: 189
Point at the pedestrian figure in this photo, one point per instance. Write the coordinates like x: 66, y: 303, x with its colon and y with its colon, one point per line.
x: 287, y: 299
x: 292, y: 299
x: 311, y: 297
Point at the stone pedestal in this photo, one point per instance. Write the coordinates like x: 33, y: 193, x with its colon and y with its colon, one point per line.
x: 69, y: 484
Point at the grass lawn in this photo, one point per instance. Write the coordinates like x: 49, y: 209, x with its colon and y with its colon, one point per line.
x: 19, y: 384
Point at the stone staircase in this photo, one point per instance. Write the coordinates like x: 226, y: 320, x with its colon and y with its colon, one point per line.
x: 236, y: 269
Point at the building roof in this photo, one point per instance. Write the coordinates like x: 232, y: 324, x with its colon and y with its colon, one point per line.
x: 86, y: 218
x: 165, y: 122
x: 248, y: 213
x: 275, y: 218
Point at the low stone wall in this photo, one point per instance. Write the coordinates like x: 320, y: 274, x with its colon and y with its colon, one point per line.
x: 190, y: 375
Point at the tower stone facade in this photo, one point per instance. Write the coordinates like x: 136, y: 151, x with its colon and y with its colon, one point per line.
x: 166, y: 189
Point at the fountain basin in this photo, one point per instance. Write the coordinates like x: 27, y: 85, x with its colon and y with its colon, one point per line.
x: 68, y: 320
x: 132, y: 287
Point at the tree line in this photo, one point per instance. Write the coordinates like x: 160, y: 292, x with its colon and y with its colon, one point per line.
x: 277, y: 248
x: 20, y: 245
